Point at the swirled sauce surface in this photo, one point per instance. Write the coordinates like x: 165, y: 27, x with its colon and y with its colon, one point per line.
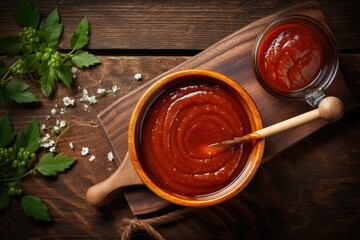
x: 290, y: 56
x: 179, y: 124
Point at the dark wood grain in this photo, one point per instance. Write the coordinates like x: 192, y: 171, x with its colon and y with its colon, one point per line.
x: 231, y: 56
x: 65, y: 195
x: 145, y: 24
x: 310, y: 191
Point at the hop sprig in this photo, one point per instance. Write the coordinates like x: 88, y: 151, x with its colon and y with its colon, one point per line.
x: 19, y: 160
x: 41, y: 59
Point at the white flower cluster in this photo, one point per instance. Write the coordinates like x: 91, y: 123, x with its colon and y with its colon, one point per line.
x: 87, y: 98
x: 59, y: 124
x: 67, y: 102
x: 48, y: 142
x: 92, y: 99
x: 55, y: 130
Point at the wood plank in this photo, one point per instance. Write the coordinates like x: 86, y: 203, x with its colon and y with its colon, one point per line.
x: 350, y: 66
x: 145, y: 24
x: 232, y: 56
x: 65, y: 194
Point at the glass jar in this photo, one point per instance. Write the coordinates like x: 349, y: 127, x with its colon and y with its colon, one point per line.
x: 296, y: 58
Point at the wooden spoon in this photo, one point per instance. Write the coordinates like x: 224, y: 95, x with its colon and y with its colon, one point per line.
x: 330, y: 109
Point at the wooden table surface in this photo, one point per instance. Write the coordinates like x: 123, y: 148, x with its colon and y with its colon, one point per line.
x: 309, y: 191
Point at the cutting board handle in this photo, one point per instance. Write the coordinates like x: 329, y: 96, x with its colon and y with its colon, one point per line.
x: 125, y: 175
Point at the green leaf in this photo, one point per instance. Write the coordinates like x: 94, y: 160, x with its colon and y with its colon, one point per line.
x: 4, y: 198
x: 29, y: 140
x: 17, y: 91
x: 80, y: 37
x: 48, y: 78
x: 33, y: 207
x: 50, y: 165
x: 4, y: 98
x: 65, y: 74
x: 10, y: 45
x: 6, y: 132
x: 50, y: 29
x: 31, y: 63
x: 84, y: 59
x: 27, y: 49
x: 25, y: 15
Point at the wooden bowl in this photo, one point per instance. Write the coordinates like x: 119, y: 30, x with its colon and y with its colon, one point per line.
x: 136, y: 124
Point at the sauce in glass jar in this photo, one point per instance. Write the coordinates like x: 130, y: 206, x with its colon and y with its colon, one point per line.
x: 290, y: 57
x: 296, y: 57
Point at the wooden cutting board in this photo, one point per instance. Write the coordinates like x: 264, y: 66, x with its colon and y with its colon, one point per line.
x: 232, y: 56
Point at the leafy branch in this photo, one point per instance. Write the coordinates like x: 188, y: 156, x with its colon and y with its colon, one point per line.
x: 40, y: 55
x: 20, y: 160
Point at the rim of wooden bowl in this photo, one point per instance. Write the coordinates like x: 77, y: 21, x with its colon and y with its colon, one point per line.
x: 249, y: 169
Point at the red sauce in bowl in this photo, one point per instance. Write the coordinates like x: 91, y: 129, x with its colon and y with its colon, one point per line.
x: 290, y: 56
x: 179, y: 123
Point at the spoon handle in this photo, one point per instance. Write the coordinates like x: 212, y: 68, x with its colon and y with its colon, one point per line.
x: 330, y: 109
x: 289, y: 123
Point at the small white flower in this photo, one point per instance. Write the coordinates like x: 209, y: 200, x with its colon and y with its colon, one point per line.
x: 92, y: 100
x: 114, y: 88
x: 110, y: 156
x: 84, y: 151
x: 47, y: 117
x: 56, y: 129
x: 71, y: 145
x: 101, y: 90
x: 56, y: 106
x: 74, y: 70
x: 86, y: 108
x: 92, y: 158
x: 46, y: 138
x: 62, y: 123
x: 62, y: 111
x: 52, y: 149
x: 53, y: 111
x: 43, y: 127
x: 68, y: 101
x: 138, y: 76
x: 87, y: 98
